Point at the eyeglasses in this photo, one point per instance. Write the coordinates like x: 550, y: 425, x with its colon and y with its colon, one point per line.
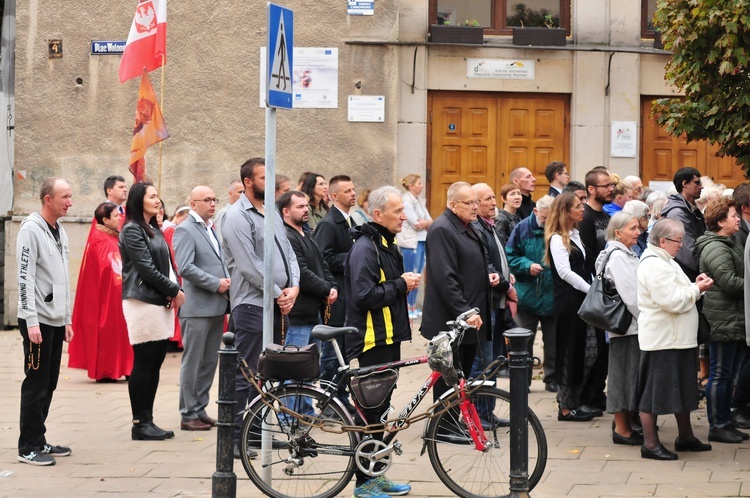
x: 608, y: 185
x: 469, y: 203
x: 210, y: 200
x: 578, y: 207
x: 673, y: 240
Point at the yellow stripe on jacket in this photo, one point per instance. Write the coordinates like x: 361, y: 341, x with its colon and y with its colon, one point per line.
x: 387, y: 321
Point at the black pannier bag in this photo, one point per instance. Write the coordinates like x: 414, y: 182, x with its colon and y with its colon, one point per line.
x: 372, y: 389
x: 289, y: 362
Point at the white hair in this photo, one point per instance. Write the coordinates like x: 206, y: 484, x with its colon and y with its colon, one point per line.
x: 379, y: 198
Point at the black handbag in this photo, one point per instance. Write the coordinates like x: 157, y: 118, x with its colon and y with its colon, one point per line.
x: 289, y: 362
x: 704, y: 328
x: 603, y: 307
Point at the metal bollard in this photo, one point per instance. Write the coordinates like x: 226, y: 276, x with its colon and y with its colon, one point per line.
x: 224, y: 480
x: 519, y: 406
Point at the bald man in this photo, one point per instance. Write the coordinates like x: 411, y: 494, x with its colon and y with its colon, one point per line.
x: 526, y: 181
x: 205, y: 281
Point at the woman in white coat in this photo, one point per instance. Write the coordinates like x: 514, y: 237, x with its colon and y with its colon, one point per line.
x: 413, y: 233
x: 668, y: 337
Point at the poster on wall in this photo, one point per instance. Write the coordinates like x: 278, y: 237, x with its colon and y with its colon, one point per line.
x: 623, y: 141
x: 360, y: 7
x: 316, y: 75
x: 366, y: 108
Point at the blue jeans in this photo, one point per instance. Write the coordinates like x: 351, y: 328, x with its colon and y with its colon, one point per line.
x: 413, y: 261
x: 726, y: 358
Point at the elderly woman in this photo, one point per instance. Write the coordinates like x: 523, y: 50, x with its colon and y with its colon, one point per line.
x: 507, y: 218
x: 413, y: 234
x: 620, y: 263
x: 567, y: 258
x: 668, y: 337
x: 722, y: 259
x: 640, y: 211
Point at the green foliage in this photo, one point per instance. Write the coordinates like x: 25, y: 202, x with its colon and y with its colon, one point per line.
x: 709, y: 40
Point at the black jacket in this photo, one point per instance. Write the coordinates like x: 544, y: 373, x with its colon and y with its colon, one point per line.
x: 527, y: 207
x: 457, y: 277
x: 315, y: 280
x: 334, y: 240
x: 145, y: 266
x: 376, y: 293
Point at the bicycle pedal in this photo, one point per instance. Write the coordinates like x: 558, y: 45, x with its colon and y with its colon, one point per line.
x: 398, y: 448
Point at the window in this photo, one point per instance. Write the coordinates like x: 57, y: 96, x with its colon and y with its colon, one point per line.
x: 499, y: 16
x: 648, y: 8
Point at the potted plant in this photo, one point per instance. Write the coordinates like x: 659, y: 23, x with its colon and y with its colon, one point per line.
x: 547, y: 36
x: 471, y: 32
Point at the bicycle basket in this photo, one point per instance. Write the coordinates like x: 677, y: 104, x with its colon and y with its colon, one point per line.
x: 371, y: 390
x: 289, y: 362
x: 440, y: 359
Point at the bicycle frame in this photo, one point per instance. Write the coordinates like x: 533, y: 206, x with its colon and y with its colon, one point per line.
x: 468, y: 410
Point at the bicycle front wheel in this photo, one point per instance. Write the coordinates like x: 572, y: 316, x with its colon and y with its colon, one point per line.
x: 471, y: 473
x: 305, y: 461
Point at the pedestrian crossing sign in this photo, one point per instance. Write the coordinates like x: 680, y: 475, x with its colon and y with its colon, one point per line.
x: 280, y: 43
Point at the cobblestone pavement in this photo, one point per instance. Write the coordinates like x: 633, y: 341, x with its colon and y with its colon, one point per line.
x: 94, y: 419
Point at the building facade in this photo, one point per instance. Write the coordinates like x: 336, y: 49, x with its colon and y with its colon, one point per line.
x: 532, y: 105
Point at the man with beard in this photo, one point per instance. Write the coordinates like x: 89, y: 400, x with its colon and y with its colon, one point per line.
x: 317, y: 287
x: 243, y: 234
x: 593, y: 231
x: 526, y: 181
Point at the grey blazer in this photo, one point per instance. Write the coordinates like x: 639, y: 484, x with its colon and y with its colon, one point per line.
x: 200, y: 267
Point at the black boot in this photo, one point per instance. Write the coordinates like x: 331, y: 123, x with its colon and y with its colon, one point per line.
x: 145, y: 430
x: 170, y: 434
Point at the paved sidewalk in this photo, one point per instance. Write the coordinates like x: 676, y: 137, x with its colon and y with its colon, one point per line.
x: 94, y: 419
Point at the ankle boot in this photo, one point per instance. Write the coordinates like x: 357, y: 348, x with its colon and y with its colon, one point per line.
x: 147, y: 432
x: 167, y: 434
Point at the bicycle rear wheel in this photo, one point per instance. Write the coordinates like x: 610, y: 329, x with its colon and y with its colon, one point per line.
x: 471, y: 473
x: 305, y: 461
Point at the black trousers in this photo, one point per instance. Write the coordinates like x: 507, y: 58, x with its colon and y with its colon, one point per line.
x: 248, y: 332
x: 144, y: 379
x: 375, y: 356
x: 41, y: 364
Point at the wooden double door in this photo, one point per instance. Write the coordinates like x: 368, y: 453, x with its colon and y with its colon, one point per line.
x: 663, y: 154
x: 481, y: 137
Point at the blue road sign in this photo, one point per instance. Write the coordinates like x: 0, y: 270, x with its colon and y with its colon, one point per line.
x: 280, y: 45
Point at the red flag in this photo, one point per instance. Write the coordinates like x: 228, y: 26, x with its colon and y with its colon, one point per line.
x: 147, y: 41
x: 149, y: 127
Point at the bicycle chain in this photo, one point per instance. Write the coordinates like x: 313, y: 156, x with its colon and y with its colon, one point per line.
x: 325, y: 424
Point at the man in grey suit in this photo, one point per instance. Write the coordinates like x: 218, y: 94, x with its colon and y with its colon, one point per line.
x: 205, y: 281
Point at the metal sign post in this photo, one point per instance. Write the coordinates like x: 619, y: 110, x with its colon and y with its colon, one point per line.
x: 279, y: 43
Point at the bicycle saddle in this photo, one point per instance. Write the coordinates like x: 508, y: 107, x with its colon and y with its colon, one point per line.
x: 326, y: 332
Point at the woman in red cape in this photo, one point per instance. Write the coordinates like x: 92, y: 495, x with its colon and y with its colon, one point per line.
x: 101, y: 344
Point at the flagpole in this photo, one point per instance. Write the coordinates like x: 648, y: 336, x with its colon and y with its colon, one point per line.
x: 162, y: 112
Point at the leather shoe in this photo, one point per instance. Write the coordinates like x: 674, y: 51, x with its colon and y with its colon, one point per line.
x: 740, y: 420
x: 251, y: 455
x: 635, y: 439
x: 208, y: 420
x: 550, y: 386
x: 745, y: 436
x: 596, y: 412
x: 194, y: 425
x: 574, y: 416
x: 660, y: 453
x: 148, y: 432
x: 695, y: 444
x: 724, y: 435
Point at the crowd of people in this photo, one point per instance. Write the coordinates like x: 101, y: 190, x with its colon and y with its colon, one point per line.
x: 343, y: 257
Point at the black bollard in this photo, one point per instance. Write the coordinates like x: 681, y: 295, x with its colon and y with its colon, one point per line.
x: 224, y: 480
x: 519, y: 407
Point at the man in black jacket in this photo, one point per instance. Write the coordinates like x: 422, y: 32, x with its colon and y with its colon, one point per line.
x: 317, y: 287
x: 458, y: 280
x: 376, y: 286
x: 333, y: 238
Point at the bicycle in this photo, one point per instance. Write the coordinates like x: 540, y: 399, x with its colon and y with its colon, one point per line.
x: 317, y: 446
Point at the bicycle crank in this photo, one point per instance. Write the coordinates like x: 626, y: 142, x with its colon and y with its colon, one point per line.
x: 374, y: 457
